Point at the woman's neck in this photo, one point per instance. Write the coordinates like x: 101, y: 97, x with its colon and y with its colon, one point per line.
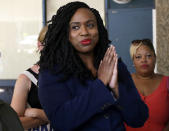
x: 145, y: 76
x: 88, y: 60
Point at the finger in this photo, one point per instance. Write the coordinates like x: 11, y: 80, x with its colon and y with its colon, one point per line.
x: 114, y: 79
x: 112, y: 62
x: 106, y: 54
x: 108, y: 51
x: 100, y: 63
x: 109, y: 54
x: 115, y: 66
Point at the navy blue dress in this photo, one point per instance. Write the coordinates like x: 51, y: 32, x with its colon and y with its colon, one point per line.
x: 73, y: 106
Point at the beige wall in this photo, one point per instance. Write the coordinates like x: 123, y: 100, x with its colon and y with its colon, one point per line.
x: 20, y: 23
x: 53, y: 5
x: 162, y: 31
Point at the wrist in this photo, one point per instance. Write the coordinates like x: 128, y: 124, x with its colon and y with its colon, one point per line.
x: 115, y: 91
x: 103, y: 81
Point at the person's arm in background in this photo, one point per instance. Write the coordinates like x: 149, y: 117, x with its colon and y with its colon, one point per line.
x: 29, y: 117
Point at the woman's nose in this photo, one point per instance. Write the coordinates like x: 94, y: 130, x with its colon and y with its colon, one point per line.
x: 84, y: 31
x: 143, y: 58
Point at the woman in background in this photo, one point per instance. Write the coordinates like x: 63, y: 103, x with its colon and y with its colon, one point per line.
x: 25, y: 99
x: 151, y: 86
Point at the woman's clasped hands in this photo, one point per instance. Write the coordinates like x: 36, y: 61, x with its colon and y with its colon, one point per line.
x: 107, y: 71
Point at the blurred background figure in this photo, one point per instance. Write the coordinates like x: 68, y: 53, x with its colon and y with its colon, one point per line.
x: 151, y: 86
x: 9, y: 120
x: 25, y: 99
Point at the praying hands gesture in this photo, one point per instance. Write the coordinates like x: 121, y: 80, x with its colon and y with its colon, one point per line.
x: 107, y: 71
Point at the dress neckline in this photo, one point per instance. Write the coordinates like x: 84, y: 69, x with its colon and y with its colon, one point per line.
x: 159, y: 86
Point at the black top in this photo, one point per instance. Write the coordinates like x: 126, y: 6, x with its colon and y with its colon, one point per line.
x: 33, y: 99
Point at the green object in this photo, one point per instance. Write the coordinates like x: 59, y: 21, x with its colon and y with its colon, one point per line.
x: 9, y: 120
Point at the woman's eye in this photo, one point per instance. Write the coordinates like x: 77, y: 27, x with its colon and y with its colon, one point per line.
x: 138, y: 57
x: 75, y: 27
x: 90, y: 25
x: 149, y: 56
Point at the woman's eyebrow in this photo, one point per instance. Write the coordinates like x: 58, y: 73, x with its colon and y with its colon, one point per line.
x: 74, y: 22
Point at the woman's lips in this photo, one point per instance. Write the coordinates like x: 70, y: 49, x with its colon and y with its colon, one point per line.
x: 85, y: 42
x: 144, y: 66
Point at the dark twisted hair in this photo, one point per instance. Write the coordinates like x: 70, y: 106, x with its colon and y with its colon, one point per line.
x: 59, y: 51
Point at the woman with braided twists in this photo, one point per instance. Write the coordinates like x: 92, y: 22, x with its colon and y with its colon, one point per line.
x: 83, y: 86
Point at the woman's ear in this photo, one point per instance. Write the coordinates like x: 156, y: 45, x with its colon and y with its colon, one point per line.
x: 39, y: 44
